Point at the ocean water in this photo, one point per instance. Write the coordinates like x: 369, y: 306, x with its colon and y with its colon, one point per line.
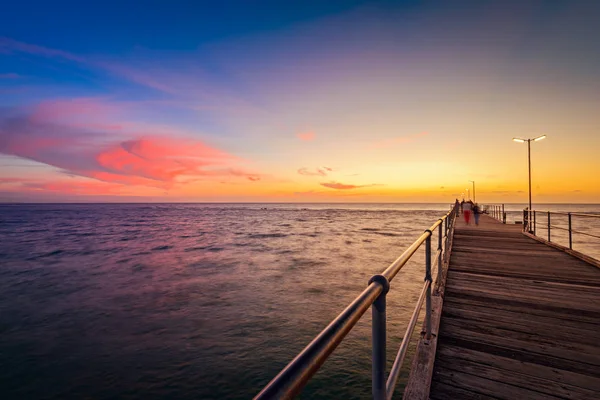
x: 209, y: 301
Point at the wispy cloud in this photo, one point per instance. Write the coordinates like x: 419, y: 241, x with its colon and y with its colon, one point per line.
x: 10, y: 45
x: 10, y: 75
x: 306, y: 136
x: 344, y: 186
x: 315, y: 172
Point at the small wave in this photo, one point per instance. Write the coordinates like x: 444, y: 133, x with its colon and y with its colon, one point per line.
x: 387, y: 234
x: 315, y: 290
x: 305, y: 263
x: 285, y: 252
x: 161, y: 248
x: 267, y: 235
x: 215, y: 249
x: 309, y: 234
x: 52, y: 253
x: 197, y: 248
x: 348, y: 242
x: 379, y: 232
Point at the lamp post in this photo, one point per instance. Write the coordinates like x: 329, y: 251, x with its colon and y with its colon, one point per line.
x: 529, y: 158
x: 473, y: 182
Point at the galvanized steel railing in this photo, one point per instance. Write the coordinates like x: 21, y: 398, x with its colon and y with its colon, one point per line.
x: 290, y: 381
x: 496, y: 211
x: 530, y: 223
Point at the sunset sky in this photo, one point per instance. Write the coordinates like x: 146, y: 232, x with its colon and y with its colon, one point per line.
x: 311, y: 101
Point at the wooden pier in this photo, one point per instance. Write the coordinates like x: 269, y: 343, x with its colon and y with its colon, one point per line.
x: 520, y: 320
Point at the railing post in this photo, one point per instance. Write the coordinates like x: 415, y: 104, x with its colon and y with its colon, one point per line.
x: 570, y: 234
x: 378, y: 331
x: 446, y: 226
x: 503, y: 215
x: 439, y: 261
x: 549, y: 226
x: 534, y: 222
x: 428, y: 278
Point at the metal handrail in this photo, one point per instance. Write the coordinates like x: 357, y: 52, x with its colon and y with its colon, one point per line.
x: 530, y: 223
x: 290, y: 381
x: 573, y: 214
x: 496, y: 211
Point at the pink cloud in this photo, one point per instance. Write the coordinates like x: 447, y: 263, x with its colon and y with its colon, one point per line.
x: 316, y: 172
x: 49, y: 135
x: 306, y: 136
x: 398, y: 140
x: 343, y: 186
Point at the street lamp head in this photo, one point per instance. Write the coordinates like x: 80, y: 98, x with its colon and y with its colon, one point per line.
x: 539, y: 138
x: 518, y: 140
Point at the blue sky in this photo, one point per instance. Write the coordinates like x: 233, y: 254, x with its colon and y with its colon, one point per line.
x: 367, y: 89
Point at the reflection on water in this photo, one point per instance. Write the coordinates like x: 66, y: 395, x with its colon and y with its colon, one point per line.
x: 193, y: 301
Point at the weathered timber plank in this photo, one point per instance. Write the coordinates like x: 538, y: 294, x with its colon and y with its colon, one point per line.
x: 529, y: 382
x: 545, y: 288
x: 516, y: 342
x: 499, y: 349
x: 558, y: 375
x: 533, y: 325
x: 516, y: 306
x: 442, y: 391
x: 539, y: 281
x: 558, y: 304
x: 487, y: 387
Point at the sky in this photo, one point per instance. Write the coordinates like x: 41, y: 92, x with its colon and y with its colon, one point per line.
x: 299, y: 101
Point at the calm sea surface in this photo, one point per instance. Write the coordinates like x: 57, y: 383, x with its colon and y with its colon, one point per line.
x: 198, y: 300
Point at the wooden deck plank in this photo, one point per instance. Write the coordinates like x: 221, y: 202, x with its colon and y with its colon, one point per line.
x: 520, y: 319
x: 558, y: 375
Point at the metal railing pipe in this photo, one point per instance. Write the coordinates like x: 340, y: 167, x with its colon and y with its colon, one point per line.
x: 428, y: 293
x: 549, y: 226
x: 439, y: 256
x: 378, y: 330
x: 570, y: 233
x: 397, y: 366
x: 294, y: 376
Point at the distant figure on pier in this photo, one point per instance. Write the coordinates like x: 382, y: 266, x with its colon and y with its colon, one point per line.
x: 462, y: 203
x: 467, y: 211
x: 476, y: 212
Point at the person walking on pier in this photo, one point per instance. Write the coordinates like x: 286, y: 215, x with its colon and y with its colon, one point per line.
x: 476, y: 212
x: 467, y: 211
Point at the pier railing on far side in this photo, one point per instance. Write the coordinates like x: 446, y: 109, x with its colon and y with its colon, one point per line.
x: 496, y: 211
x: 290, y: 381
x: 562, y: 221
